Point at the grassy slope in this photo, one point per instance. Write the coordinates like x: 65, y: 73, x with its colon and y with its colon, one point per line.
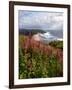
x: 35, y: 65
x: 57, y: 44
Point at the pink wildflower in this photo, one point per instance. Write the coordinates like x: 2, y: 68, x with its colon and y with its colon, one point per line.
x: 26, y: 43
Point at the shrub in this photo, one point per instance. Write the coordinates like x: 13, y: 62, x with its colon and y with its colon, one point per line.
x: 57, y: 44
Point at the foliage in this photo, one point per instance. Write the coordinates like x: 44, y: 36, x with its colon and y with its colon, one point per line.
x: 57, y: 44
x: 34, y: 64
x: 21, y: 40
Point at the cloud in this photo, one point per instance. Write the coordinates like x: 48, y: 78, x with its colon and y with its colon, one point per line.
x: 40, y: 20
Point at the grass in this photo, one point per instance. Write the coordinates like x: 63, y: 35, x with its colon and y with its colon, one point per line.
x: 21, y: 41
x: 57, y: 44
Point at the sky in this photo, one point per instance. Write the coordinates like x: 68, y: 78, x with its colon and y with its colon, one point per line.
x: 40, y: 20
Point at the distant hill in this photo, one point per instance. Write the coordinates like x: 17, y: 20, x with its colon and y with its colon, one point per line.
x: 57, y: 33
x: 27, y: 31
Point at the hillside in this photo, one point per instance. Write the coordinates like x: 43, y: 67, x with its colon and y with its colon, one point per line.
x: 27, y: 31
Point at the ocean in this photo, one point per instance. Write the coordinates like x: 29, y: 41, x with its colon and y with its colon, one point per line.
x: 56, y: 33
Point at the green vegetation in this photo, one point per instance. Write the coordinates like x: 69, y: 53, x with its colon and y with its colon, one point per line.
x: 57, y: 44
x: 33, y: 64
x: 21, y: 41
